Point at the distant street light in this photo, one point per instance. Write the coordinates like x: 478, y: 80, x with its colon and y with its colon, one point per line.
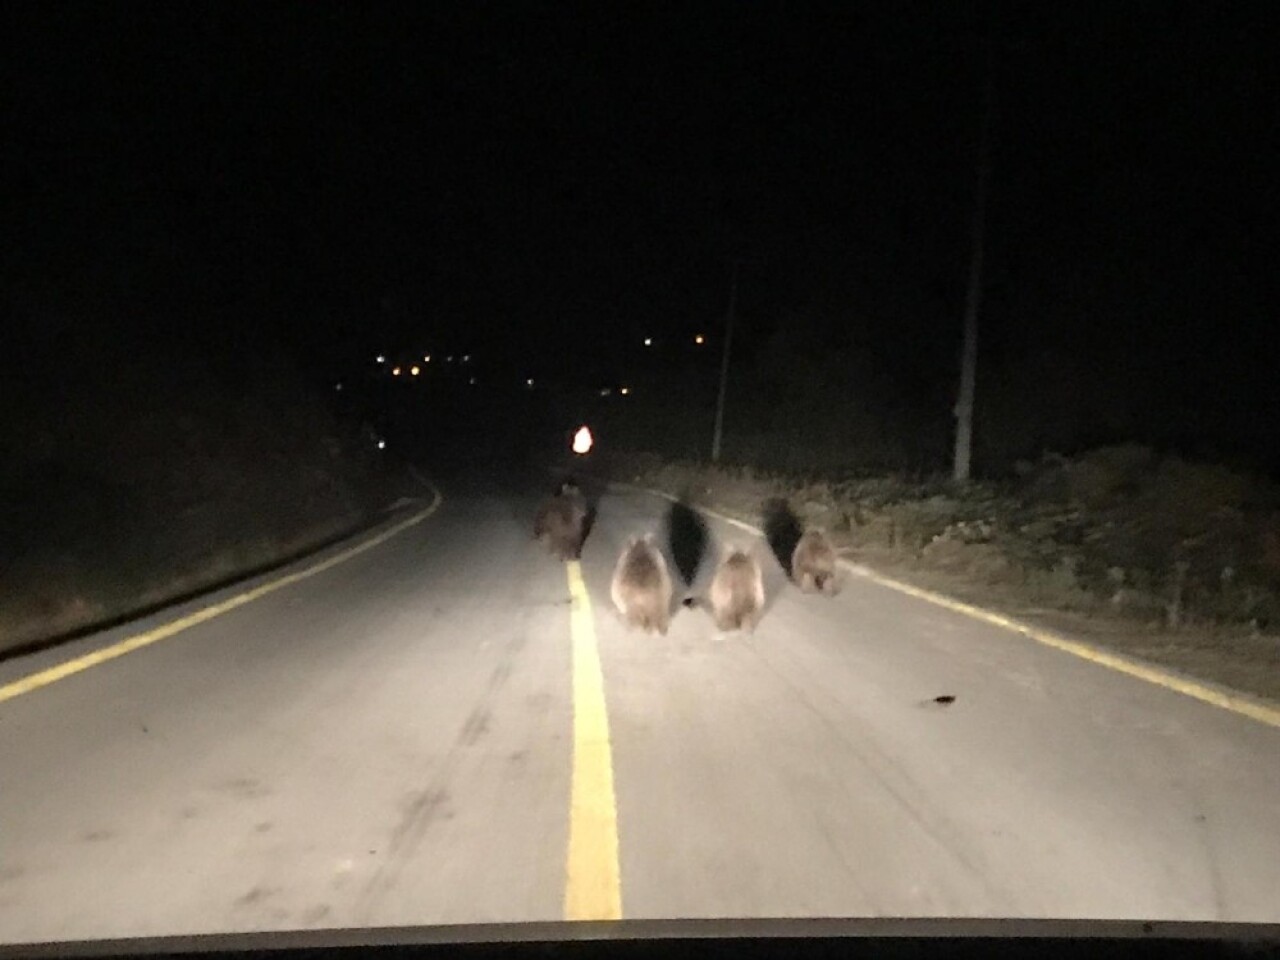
x: 582, y: 440
x: 466, y: 358
x: 699, y: 339
x: 426, y: 358
x: 529, y: 382
x: 606, y: 392
x: 382, y: 358
x: 648, y: 341
x: 624, y: 391
x: 414, y: 370
x: 395, y: 371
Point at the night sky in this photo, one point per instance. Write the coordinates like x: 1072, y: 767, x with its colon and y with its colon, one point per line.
x: 550, y: 182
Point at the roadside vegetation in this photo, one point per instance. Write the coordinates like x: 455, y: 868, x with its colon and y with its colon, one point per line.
x: 143, y: 467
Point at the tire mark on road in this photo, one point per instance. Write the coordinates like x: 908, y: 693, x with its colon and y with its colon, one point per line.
x: 429, y: 805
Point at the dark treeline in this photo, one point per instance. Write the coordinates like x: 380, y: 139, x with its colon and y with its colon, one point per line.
x: 845, y: 376
x: 315, y: 188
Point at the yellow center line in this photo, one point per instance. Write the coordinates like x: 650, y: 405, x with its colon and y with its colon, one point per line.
x: 593, y: 887
x: 66, y: 669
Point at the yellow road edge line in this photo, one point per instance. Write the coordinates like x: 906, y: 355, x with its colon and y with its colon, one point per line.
x: 593, y: 885
x: 1206, y: 693
x: 61, y: 671
x: 1239, y: 704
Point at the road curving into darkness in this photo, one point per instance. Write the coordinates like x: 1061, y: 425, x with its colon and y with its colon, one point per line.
x: 395, y: 740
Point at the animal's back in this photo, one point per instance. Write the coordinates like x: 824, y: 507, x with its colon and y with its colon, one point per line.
x: 813, y: 564
x: 641, y: 587
x: 737, y: 592
x: 561, y: 523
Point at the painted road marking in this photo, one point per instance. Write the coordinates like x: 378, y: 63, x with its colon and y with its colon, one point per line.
x: 1237, y: 703
x: 1205, y: 692
x: 63, y: 670
x: 593, y: 888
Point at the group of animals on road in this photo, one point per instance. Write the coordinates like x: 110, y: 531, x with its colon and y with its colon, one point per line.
x: 642, y: 588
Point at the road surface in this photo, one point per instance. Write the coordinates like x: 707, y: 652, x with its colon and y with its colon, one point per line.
x: 391, y: 741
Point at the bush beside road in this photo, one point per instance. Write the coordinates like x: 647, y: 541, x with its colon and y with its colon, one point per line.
x: 130, y: 483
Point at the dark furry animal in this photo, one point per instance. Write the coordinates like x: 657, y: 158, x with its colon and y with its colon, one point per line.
x: 782, y: 530
x: 560, y: 522
x: 813, y: 564
x: 641, y: 587
x: 736, y: 596
x: 688, y: 539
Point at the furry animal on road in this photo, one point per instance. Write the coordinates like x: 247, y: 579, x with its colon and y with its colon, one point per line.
x: 641, y: 587
x: 560, y: 522
x: 813, y: 563
x: 736, y: 595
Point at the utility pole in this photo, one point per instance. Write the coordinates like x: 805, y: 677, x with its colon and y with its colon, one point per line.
x: 973, y: 297
x: 724, y: 366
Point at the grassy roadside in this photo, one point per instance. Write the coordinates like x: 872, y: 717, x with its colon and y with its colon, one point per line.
x: 45, y: 610
x: 1162, y: 560
x: 132, y: 484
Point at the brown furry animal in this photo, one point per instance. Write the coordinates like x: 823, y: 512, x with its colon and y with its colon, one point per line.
x: 641, y: 588
x: 736, y: 596
x: 561, y: 523
x: 813, y: 563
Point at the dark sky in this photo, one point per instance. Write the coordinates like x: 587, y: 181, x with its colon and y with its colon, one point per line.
x: 504, y: 176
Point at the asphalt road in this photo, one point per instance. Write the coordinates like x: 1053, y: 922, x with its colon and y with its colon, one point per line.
x: 391, y: 741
